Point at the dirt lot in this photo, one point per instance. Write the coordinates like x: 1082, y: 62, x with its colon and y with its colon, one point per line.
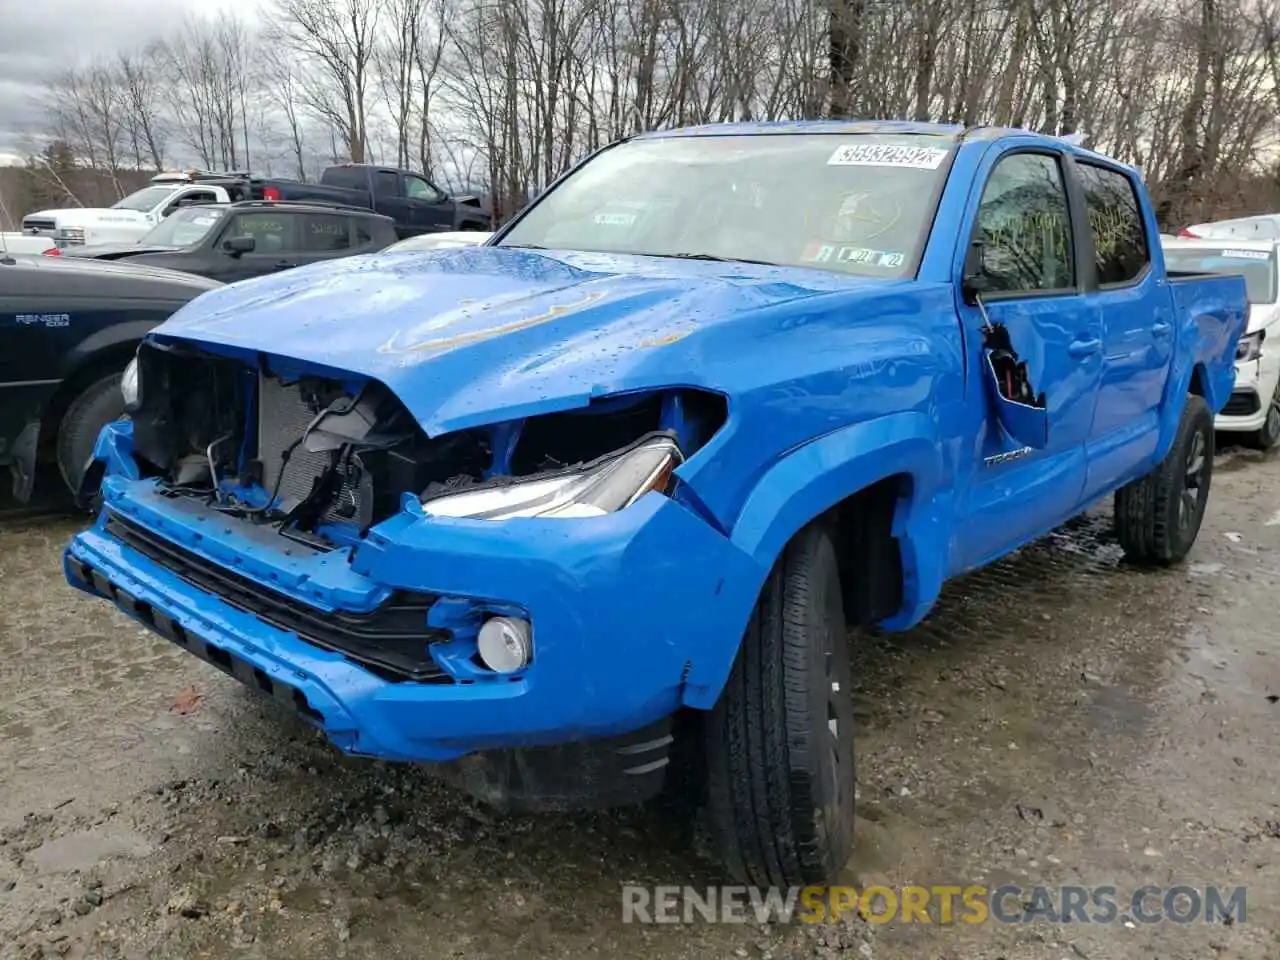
x: 1060, y: 719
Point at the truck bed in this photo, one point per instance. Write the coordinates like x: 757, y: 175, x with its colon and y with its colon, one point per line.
x: 1210, y: 318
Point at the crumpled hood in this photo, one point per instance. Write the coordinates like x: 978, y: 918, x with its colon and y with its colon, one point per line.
x: 473, y: 335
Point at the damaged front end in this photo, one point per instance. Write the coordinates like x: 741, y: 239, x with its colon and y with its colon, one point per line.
x: 323, y: 459
x: 417, y: 597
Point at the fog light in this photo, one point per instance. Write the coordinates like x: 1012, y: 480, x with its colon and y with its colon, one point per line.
x: 504, y: 644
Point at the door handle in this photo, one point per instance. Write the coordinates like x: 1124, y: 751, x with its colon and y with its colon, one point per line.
x: 1082, y: 348
x: 1161, y: 328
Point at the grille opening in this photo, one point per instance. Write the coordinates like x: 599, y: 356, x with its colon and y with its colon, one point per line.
x: 335, y: 458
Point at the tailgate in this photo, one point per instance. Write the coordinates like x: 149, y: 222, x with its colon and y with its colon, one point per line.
x: 1211, y: 311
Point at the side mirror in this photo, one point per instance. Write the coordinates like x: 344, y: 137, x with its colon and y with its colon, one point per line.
x: 236, y: 246
x: 977, y: 278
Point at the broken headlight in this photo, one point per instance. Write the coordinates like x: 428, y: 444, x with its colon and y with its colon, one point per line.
x: 594, y: 489
x: 1249, y: 347
x: 129, y: 384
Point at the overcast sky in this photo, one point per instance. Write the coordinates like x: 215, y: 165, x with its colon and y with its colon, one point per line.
x: 38, y: 37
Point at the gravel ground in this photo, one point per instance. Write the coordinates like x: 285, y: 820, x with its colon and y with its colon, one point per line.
x: 1059, y: 719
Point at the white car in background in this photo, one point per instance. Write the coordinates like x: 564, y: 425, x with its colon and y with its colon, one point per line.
x: 1265, y: 226
x: 439, y: 241
x: 125, y: 221
x: 1254, y: 406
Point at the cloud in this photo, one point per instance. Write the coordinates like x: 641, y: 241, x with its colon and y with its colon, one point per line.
x: 38, y: 39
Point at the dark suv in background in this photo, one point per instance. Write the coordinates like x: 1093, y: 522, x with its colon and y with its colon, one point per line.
x: 237, y: 241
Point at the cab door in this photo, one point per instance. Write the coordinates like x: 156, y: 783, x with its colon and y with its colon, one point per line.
x: 1027, y: 220
x: 1137, y: 324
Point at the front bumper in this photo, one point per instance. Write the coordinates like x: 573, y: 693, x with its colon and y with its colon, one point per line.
x: 634, y: 614
x: 1255, y: 385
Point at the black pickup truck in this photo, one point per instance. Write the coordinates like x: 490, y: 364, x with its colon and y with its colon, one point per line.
x: 411, y: 200
x: 68, y: 329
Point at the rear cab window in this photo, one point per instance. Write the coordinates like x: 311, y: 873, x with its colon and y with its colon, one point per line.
x: 347, y: 178
x: 1120, y: 245
x: 856, y: 203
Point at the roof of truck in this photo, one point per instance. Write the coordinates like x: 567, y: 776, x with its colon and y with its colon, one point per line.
x: 899, y: 127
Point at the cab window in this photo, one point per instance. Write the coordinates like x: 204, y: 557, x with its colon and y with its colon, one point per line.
x: 1025, y: 227
x: 1115, y: 223
x: 270, y: 231
x: 323, y: 232
x: 415, y: 188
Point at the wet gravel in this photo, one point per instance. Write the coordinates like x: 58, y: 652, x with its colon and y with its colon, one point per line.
x: 1061, y: 718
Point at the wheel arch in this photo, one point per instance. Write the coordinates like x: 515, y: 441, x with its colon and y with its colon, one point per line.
x: 91, y: 363
x: 876, y: 484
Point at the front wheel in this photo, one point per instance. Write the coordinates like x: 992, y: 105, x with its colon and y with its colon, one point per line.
x: 1268, y: 435
x: 99, y: 404
x: 779, y: 743
x: 1158, y: 516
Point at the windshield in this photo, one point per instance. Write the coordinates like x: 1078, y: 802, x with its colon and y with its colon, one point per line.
x: 184, y: 228
x: 859, y: 203
x: 1258, y: 267
x: 144, y: 199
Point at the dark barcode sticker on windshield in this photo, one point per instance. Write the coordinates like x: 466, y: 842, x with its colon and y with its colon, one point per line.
x: 887, y: 155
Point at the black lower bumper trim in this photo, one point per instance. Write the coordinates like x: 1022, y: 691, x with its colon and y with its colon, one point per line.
x: 391, y: 641
x: 226, y: 661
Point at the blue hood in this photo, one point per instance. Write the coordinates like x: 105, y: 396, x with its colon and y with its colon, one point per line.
x: 472, y: 336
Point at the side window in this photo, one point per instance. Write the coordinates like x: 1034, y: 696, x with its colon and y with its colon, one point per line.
x: 189, y: 198
x: 388, y: 184
x: 1024, y: 222
x: 415, y: 188
x: 364, y: 234
x: 323, y: 232
x: 269, y: 230
x: 1115, y: 221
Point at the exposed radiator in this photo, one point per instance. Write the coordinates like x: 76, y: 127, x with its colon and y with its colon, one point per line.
x: 282, y: 416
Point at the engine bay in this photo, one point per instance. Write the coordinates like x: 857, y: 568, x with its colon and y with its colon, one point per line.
x: 323, y: 459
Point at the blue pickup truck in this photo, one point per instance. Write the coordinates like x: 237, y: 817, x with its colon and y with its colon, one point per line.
x: 588, y: 510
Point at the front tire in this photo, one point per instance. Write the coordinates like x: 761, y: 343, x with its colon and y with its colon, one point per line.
x: 1268, y: 435
x: 1158, y: 516
x: 99, y: 404
x: 779, y: 743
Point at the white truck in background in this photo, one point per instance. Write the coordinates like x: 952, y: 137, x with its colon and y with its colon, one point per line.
x: 127, y: 220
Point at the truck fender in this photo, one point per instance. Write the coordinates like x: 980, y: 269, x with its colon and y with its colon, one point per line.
x: 1187, y: 369
x: 131, y: 331
x: 812, y: 479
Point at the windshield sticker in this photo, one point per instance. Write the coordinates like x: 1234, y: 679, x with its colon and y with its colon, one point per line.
x: 1247, y: 254
x: 615, y: 219
x: 887, y: 155
x: 833, y: 253
x: 204, y: 221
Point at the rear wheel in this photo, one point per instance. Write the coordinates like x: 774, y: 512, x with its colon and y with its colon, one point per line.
x: 99, y: 404
x: 1158, y: 516
x: 779, y: 743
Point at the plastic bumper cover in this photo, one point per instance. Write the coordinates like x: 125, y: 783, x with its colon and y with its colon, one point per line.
x: 633, y: 614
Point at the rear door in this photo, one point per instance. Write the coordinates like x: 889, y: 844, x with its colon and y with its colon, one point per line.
x: 1137, y: 325
x: 1028, y: 222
